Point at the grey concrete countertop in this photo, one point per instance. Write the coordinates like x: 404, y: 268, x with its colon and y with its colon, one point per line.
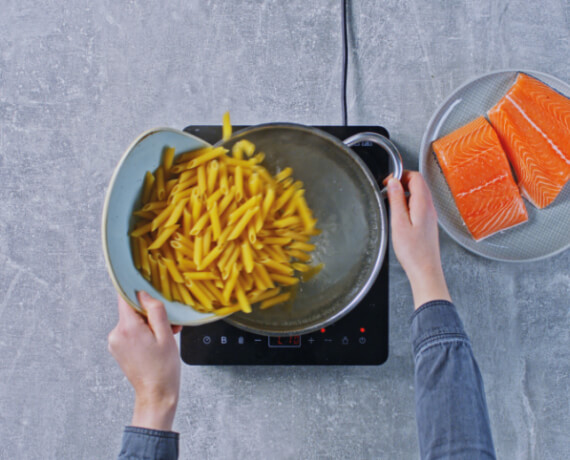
x: 79, y: 80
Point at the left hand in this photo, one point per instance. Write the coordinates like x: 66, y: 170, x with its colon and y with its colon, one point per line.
x: 147, y: 353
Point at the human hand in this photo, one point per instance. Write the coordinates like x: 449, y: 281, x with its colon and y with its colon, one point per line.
x: 415, y: 237
x: 147, y: 353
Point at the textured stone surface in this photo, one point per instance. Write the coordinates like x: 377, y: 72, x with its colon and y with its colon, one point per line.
x: 79, y: 80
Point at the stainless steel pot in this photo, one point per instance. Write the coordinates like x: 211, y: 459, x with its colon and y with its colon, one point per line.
x: 349, y: 206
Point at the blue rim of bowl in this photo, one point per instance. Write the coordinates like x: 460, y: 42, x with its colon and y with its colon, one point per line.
x: 207, y: 318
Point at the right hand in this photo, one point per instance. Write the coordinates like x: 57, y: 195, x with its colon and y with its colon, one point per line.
x: 415, y: 237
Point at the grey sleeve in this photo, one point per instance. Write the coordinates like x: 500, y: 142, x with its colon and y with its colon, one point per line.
x: 142, y: 444
x: 451, y: 409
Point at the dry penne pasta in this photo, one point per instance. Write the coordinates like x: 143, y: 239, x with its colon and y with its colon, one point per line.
x: 216, y: 231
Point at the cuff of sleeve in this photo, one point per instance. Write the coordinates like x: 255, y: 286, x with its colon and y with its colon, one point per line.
x: 141, y: 443
x: 434, y: 321
x: 149, y: 432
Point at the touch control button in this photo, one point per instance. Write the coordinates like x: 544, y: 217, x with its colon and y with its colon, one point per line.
x: 345, y: 340
x: 362, y: 340
x: 207, y: 340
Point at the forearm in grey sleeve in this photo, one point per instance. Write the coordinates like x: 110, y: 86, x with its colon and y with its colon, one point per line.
x: 143, y: 443
x: 451, y: 410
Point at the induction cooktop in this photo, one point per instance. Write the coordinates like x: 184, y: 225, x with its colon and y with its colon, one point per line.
x: 358, y: 338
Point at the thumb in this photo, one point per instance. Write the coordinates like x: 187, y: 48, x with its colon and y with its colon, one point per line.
x: 156, y: 314
x: 399, y: 212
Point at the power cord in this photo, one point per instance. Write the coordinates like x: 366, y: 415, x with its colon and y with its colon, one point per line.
x: 344, y: 61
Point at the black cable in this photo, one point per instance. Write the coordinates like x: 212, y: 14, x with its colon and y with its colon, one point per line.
x: 344, y: 61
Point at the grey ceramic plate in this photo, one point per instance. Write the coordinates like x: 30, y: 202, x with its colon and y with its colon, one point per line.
x: 547, y: 231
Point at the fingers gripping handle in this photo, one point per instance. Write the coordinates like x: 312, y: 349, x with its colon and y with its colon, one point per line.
x: 387, y: 145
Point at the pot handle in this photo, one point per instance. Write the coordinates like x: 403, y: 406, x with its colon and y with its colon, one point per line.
x: 387, y: 145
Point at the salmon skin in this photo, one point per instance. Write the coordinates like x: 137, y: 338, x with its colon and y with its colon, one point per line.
x: 480, y: 179
x: 533, y: 123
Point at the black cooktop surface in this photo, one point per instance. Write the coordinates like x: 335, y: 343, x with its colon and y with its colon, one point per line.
x: 360, y: 337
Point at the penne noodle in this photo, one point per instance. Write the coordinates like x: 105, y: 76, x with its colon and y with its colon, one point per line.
x: 173, y: 270
x: 168, y: 231
x: 309, y: 274
x: 257, y: 158
x: 141, y: 230
x: 135, y: 249
x: 283, y: 174
x: 287, y: 222
x: 247, y: 257
x: 252, y: 202
x: 199, y: 225
x: 240, y: 226
x: 215, y: 221
x: 267, y: 202
x: 198, y: 246
x: 242, y: 299
x: 241, y: 147
x: 147, y: 187
x: 223, y: 174
x: 207, y: 240
x: 163, y: 216
x: 300, y: 255
x: 284, y: 279
x: 251, y: 234
x: 291, y: 206
x: 230, y: 284
x: 155, y: 205
x: 202, y: 184
x: 154, y: 273
x: 213, y: 198
x: 147, y: 215
x: 276, y: 267
x: 239, y: 183
x: 262, y: 273
x: 176, y: 213
x: 186, y: 297
x: 266, y: 294
x: 164, y: 281
x: 196, y: 204
x: 275, y: 300
x: 186, y: 221
x: 301, y: 267
x: 227, y: 310
x: 175, y: 293
x: 168, y: 159
x: 187, y: 156
x: 305, y: 214
x: 213, y: 290
x: 227, y: 200
x: 187, y: 265
x: 227, y: 252
x: 226, y: 127
x: 302, y: 246
x: 199, y: 275
x: 210, y: 257
x: 280, y: 240
x: 231, y: 262
x: 160, y: 189
x: 205, y: 157
x: 197, y: 291
x: 283, y: 199
x: 169, y: 186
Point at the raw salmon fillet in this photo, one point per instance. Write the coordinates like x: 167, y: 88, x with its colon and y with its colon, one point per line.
x: 533, y: 124
x: 479, y: 176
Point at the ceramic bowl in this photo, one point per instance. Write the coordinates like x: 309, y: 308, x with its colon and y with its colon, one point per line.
x: 123, y: 197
